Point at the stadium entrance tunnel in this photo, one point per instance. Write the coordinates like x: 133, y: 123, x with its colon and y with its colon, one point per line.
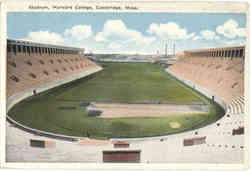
x: 63, y: 110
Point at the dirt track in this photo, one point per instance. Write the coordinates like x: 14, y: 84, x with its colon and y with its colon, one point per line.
x: 117, y: 110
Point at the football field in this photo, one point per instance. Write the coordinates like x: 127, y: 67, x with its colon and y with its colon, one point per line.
x: 63, y: 110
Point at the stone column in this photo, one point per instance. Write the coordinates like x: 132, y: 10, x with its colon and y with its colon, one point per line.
x: 237, y: 53
x: 229, y: 53
x: 9, y: 49
x: 40, y: 50
x: 32, y: 49
x: 25, y: 50
x: 232, y: 54
x: 20, y: 48
x: 28, y: 50
x: 15, y: 48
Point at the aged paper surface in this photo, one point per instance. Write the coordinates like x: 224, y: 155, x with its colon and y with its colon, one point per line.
x: 124, y: 85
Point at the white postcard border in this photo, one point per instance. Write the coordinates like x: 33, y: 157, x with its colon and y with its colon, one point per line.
x: 156, y: 6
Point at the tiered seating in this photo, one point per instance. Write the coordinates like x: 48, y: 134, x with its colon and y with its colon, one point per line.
x: 237, y: 105
x: 26, y: 71
x: 222, y: 76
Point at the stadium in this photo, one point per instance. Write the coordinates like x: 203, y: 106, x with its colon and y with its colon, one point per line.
x: 65, y: 107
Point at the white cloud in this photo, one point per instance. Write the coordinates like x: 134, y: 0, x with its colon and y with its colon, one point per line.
x: 79, y: 32
x: 114, y: 45
x: 197, y: 38
x: 170, y: 30
x: 45, y: 37
x: 238, y: 42
x: 75, y: 34
x: 230, y: 29
x: 118, y: 30
x: 209, y: 35
x: 217, y: 38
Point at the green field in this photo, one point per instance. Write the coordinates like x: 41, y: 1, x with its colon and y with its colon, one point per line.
x: 118, y: 82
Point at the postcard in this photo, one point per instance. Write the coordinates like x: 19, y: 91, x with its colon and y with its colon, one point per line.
x: 124, y: 85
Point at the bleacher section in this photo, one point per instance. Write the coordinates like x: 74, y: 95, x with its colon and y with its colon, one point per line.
x: 31, y: 64
x: 222, y: 74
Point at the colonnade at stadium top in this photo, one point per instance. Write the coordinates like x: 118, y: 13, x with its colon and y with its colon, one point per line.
x: 18, y: 46
x: 227, y: 52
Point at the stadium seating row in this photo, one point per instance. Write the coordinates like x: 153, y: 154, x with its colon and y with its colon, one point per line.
x: 27, y: 70
x: 224, y: 77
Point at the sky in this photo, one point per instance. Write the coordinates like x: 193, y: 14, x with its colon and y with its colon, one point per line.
x: 144, y: 33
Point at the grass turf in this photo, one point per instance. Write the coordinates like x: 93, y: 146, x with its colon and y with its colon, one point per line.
x: 60, y: 110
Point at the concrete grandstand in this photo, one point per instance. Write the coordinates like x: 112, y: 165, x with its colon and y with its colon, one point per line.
x: 217, y: 73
